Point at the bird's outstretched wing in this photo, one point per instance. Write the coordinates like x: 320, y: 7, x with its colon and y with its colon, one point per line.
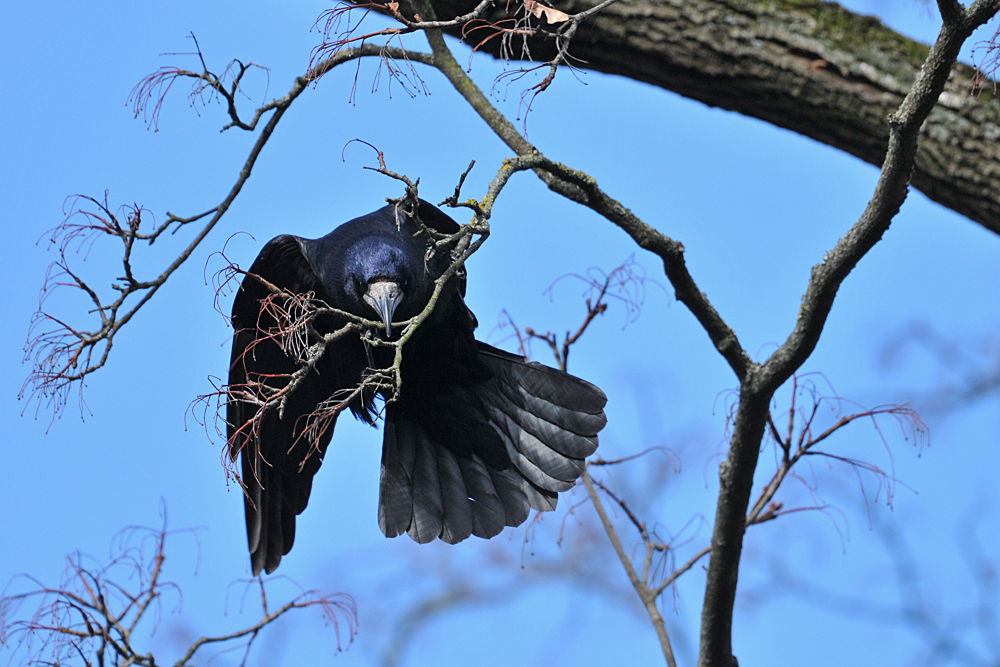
x: 475, y: 455
x: 278, y: 463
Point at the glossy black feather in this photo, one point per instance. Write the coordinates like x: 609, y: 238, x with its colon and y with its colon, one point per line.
x: 477, y: 436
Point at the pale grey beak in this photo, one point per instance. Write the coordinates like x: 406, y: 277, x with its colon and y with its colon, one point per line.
x: 383, y: 296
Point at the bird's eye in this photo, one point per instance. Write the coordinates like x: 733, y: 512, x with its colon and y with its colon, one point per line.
x: 356, y: 283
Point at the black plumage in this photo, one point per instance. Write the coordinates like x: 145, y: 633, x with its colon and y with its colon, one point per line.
x: 476, y: 436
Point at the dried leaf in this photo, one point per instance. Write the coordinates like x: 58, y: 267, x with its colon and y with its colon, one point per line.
x: 552, y: 15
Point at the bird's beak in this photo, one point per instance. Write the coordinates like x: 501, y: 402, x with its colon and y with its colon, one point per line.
x: 383, y: 296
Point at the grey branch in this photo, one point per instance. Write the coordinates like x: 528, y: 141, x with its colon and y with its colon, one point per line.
x: 646, y: 594
x: 737, y: 472
x: 811, y: 67
x: 757, y: 383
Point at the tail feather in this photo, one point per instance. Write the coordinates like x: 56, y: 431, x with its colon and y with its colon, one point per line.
x: 559, y: 428
x: 270, y: 513
x: 278, y: 464
x: 281, y: 528
x: 550, y: 385
x: 539, y: 498
x: 538, y: 449
x: 266, y: 537
x: 563, y: 390
x: 428, y: 509
x: 427, y: 491
x: 395, y: 502
x: 547, y: 436
x: 579, y: 422
x: 254, y: 526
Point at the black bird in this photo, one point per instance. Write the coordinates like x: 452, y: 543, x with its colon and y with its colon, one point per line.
x: 476, y: 437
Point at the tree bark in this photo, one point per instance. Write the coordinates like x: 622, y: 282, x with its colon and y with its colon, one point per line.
x: 807, y: 66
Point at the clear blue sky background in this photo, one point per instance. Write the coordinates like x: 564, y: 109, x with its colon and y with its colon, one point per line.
x: 755, y: 207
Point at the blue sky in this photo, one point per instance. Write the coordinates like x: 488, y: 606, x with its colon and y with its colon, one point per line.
x: 755, y: 207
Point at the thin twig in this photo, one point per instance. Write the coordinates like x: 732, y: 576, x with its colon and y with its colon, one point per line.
x: 646, y: 595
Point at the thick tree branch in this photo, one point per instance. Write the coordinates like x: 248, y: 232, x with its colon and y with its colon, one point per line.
x: 808, y: 66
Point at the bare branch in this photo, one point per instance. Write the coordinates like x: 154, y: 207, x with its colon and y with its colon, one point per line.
x: 808, y: 440
x: 63, y: 355
x: 625, y: 283
x: 93, y: 613
x: 647, y: 595
x: 583, y: 189
x: 206, y: 86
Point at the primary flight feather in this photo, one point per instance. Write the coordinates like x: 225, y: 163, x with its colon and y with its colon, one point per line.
x: 476, y: 436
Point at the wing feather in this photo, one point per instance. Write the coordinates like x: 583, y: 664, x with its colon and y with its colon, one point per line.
x: 277, y: 463
x: 488, y: 514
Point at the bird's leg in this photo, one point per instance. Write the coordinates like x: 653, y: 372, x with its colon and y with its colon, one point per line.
x: 366, y: 341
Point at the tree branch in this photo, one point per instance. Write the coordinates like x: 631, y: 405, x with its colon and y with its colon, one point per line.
x: 63, y: 355
x: 583, y: 189
x: 646, y: 594
x: 737, y: 472
x: 808, y: 66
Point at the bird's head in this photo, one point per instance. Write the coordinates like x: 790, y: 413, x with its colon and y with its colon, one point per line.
x: 379, y: 281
